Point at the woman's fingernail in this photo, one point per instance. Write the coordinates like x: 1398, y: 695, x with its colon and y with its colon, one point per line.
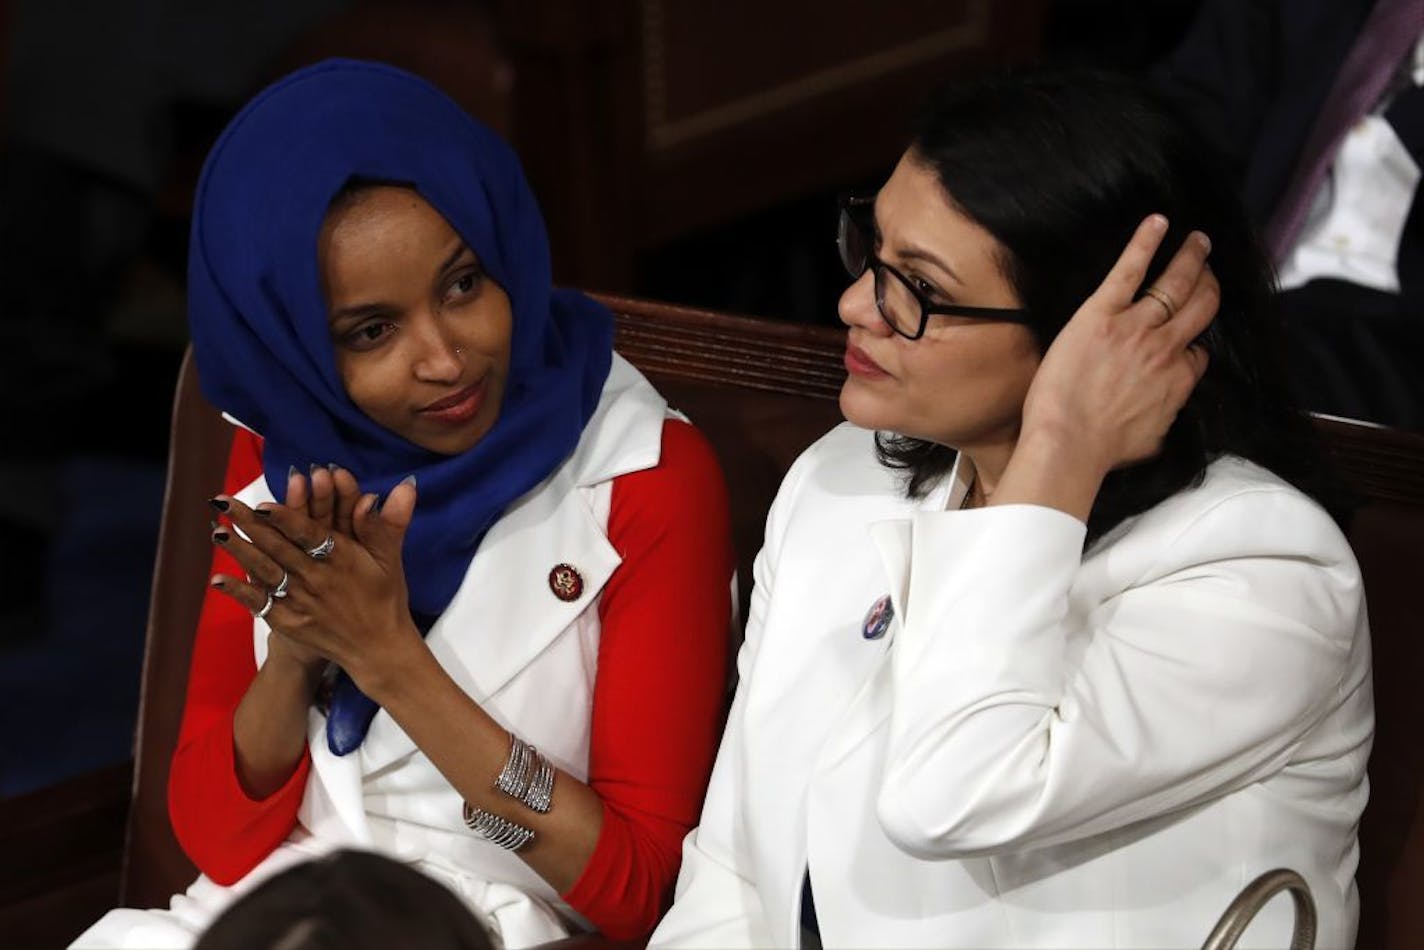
x: 221, y: 537
x: 332, y: 467
x: 291, y: 472
x: 263, y: 513
x: 311, y: 469
x: 1158, y: 222
x: 219, y: 504
x: 408, y: 480
x: 1205, y: 241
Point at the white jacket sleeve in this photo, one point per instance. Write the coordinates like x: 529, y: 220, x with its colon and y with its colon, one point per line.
x: 1200, y: 679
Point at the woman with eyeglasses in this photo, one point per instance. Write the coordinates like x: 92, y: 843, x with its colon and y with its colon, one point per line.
x: 1050, y: 644
x: 471, y: 578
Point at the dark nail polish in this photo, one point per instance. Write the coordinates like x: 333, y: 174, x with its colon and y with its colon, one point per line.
x: 219, y: 504
x: 263, y: 513
x: 221, y: 537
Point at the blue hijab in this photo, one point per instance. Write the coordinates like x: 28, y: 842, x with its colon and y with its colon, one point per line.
x: 259, y: 320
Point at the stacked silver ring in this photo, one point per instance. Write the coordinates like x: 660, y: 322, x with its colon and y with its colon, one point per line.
x: 500, y: 831
x: 267, y: 607
x: 322, y: 550
x: 280, y: 590
x: 527, y: 776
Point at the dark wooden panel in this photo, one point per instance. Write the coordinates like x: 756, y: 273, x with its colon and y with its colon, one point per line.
x: 747, y: 105
x: 60, y: 850
x: 708, y: 67
x: 56, y: 917
x: 1378, y: 463
x: 641, y: 121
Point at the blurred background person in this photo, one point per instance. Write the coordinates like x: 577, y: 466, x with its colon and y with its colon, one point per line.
x: 348, y: 900
x: 1319, y: 107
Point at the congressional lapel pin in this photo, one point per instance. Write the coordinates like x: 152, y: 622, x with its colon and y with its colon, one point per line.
x: 566, y: 582
x: 877, y: 619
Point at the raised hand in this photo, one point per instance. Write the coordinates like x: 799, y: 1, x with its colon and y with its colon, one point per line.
x: 1115, y: 377
x: 348, y: 605
x: 329, y: 498
x: 1124, y: 365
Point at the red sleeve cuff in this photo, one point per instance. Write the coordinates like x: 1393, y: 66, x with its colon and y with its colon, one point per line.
x: 622, y: 890
x: 224, y: 831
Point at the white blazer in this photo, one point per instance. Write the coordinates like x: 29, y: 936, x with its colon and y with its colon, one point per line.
x: 527, y: 657
x: 1048, y: 748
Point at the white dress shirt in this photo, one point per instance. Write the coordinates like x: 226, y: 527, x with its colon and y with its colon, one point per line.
x: 1356, y: 220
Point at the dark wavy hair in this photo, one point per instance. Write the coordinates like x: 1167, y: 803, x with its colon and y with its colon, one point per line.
x: 1060, y: 166
x: 348, y: 900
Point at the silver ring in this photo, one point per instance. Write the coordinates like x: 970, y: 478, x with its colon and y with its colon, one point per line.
x: 323, y: 550
x: 266, y: 608
x: 280, y: 590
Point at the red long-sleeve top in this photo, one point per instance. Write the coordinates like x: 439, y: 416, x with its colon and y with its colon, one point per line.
x: 657, y: 700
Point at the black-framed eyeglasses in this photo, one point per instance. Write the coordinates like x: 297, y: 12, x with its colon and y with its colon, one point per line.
x: 902, y: 306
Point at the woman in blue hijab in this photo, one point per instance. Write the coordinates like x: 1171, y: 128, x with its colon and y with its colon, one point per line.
x: 470, y: 585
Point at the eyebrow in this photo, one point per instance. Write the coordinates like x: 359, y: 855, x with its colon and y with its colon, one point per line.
x: 360, y: 312
x: 364, y: 310
x: 911, y: 251
x: 455, y: 255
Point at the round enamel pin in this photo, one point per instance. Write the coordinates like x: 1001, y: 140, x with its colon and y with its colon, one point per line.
x: 877, y: 619
x: 566, y: 582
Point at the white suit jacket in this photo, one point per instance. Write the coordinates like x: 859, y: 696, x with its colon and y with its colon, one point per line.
x: 527, y: 657
x: 1047, y: 748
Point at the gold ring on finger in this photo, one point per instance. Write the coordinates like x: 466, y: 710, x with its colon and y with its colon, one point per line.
x: 1164, y: 298
x: 280, y: 590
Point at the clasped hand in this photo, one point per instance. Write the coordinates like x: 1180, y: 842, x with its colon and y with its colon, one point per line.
x: 350, y: 607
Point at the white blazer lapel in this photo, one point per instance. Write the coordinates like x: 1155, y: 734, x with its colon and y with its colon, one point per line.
x: 507, y: 612
x: 893, y: 542
x: 871, y: 704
